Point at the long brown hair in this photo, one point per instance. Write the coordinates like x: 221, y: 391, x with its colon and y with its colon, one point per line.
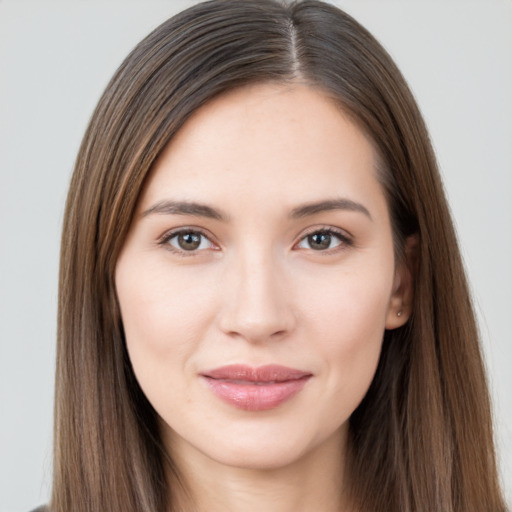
x: 421, y: 440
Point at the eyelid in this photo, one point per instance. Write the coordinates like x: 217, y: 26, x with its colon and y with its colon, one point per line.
x: 346, y: 238
x: 168, y: 235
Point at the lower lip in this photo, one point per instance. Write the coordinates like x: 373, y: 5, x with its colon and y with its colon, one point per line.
x: 256, y: 397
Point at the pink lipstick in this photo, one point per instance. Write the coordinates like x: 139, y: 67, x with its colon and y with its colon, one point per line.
x: 255, y: 389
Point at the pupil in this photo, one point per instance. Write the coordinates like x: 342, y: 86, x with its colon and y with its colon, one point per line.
x: 320, y: 241
x: 189, y: 241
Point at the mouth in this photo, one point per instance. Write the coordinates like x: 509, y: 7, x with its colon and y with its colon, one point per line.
x: 255, y: 389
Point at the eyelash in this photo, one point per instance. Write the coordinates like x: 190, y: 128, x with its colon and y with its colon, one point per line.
x: 167, y: 237
x: 344, y: 239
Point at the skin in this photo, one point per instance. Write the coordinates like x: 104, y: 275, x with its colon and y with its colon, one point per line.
x: 258, y: 291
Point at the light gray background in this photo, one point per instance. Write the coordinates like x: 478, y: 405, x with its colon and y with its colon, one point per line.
x: 56, y: 58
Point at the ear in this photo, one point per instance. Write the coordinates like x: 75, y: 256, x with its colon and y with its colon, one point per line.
x: 400, y: 302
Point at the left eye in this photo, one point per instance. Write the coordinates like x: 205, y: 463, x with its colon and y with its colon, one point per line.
x: 321, y: 240
x: 189, y: 241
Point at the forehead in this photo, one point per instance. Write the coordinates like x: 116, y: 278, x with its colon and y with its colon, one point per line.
x: 283, y: 141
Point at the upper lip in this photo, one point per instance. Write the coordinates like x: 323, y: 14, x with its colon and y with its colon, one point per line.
x: 268, y: 373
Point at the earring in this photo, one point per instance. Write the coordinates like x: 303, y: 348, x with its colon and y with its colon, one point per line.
x: 399, y: 313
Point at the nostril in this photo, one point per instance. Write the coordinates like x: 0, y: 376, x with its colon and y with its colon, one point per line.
x: 265, y: 328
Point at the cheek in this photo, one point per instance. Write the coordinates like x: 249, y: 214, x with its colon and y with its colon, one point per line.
x: 350, y: 304
x: 164, y: 318
x: 347, y: 321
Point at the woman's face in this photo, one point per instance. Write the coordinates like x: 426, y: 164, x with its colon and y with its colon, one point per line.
x: 258, y: 278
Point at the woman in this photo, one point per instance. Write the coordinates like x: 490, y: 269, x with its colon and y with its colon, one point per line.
x: 262, y: 304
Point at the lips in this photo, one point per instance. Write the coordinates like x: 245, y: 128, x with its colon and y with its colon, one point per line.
x: 255, y: 389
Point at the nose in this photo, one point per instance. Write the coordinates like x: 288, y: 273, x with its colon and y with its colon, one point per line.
x: 256, y: 304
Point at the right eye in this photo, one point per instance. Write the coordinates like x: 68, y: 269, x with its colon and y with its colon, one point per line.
x: 188, y: 241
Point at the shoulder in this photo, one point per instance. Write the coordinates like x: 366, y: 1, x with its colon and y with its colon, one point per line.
x: 43, y: 508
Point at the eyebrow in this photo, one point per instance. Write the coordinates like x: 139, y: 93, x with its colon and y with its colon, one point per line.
x: 330, y: 204
x: 169, y: 207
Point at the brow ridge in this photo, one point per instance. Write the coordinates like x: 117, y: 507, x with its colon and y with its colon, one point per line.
x: 169, y: 207
x: 329, y: 204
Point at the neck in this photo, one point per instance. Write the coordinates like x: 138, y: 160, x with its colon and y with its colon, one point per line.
x: 313, y: 483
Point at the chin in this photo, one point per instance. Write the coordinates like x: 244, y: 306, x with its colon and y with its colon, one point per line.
x: 262, y: 445
x: 263, y: 457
